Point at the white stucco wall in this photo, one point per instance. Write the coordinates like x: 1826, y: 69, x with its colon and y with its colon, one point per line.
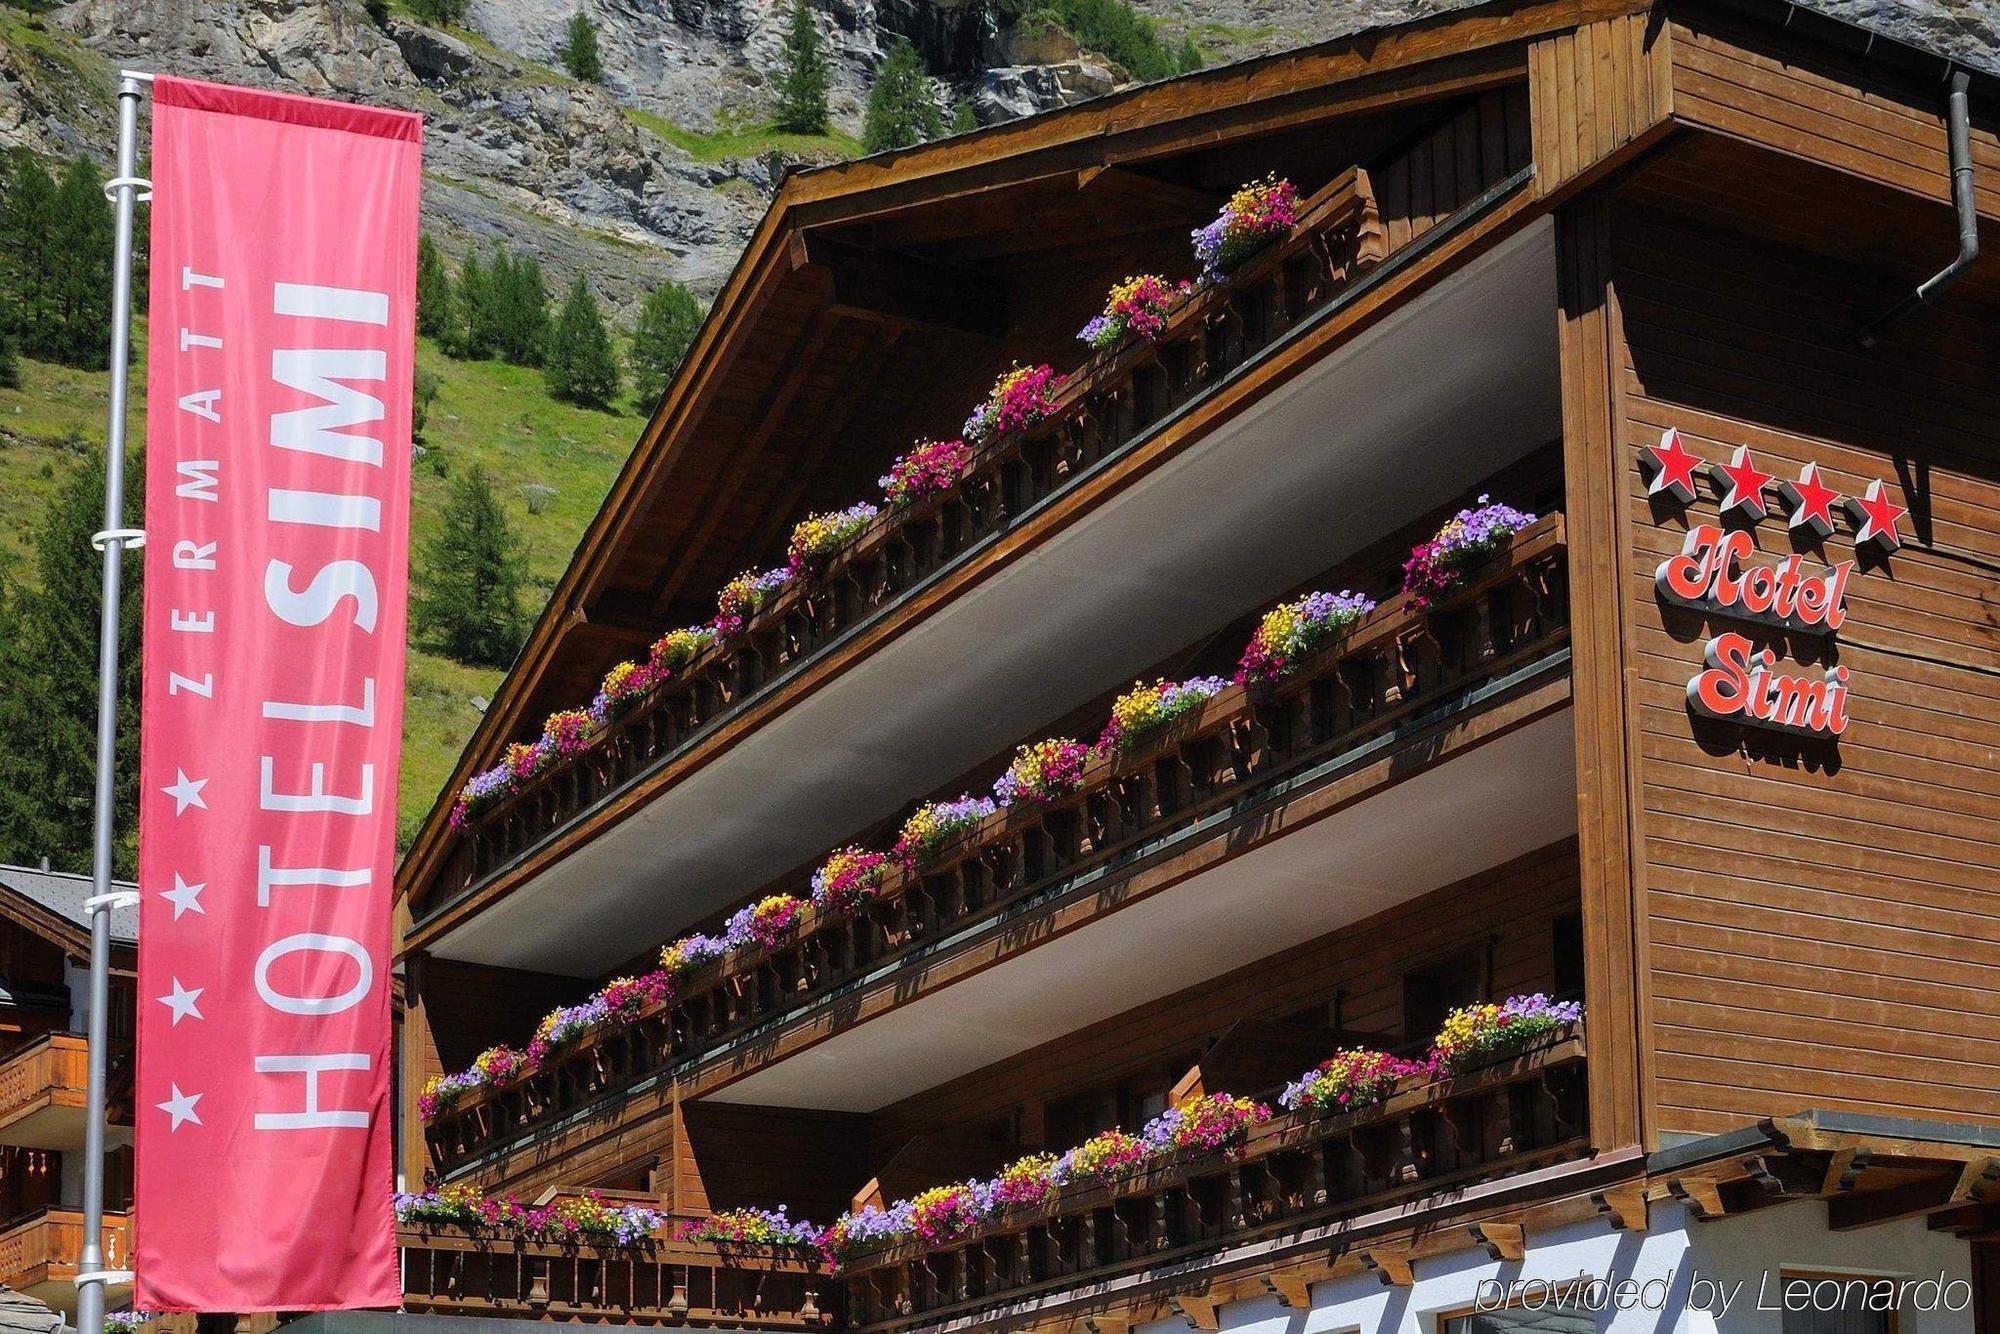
x: 1721, y: 1265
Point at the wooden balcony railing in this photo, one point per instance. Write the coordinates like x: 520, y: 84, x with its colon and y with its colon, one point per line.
x: 42, y: 1091
x: 1394, y: 665
x: 1524, y: 1113
x: 39, y: 1254
x: 458, y: 1271
x: 1114, y: 398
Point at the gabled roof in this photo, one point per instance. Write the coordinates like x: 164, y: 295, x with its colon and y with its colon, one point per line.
x: 50, y: 903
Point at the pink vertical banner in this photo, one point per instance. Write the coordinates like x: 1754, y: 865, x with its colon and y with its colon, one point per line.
x: 281, y: 346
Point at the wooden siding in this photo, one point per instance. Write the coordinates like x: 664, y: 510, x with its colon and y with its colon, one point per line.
x: 1508, y: 912
x: 1750, y: 82
x: 1421, y: 184
x: 1821, y: 924
x: 1597, y: 90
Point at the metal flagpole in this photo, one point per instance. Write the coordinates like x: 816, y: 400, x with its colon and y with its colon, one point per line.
x: 124, y: 190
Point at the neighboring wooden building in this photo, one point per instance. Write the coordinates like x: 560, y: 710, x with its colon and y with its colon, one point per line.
x: 44, y: 1013
x: 1608, y: 262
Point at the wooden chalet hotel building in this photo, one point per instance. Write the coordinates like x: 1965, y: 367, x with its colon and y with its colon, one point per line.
x: 1707, y: 746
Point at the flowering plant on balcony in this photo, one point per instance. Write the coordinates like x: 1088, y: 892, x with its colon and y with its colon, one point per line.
x: 1436, y: 567
x: 1043, y: 773
x: 1137, y: 306
x: 569, y: 732
x: 520, y: 762
x: 765, y: 922
x: 862, y: 1230
x: 500, y: 1063
x: 946, y: 1213
x: 623, y: 685
x: 626, y: 998
x: 1255, y: 215
x: 566, y: 1022
x: 818, y: 536
x: 741, y: 596
x: 443, y: 1090
x: 1291, y: 630
x: 1474, y: 1035
x: 936, y: 823
x: 1019, y: 399
x: 1105, y: 1157
x: 749, y: 1227
x: 931, y: 468
x: 128, y: 1322
x: 1026, y: 1182
x: 1204, y: 1125
x: 590, y: 1217
x: 689, y: 953
x: 458, y: 1204
x: 1145, y: 707
x: 848, y: 881
x: 676, y: 648
x: 1347, y: 1080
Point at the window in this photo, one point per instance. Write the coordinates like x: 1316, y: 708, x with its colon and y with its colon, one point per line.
x: 1568, y: 946
x: 1836, y: 1303
x: 1522, y: 1320
x: 1436, y: 989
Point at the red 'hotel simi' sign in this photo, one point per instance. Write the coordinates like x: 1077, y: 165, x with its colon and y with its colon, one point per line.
x: 277, y: 513
x: 1714, y: 573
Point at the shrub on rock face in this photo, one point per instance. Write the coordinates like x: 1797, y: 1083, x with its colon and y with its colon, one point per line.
x: 579, y: 52
x: 802, y: 91
x: 902, y: 105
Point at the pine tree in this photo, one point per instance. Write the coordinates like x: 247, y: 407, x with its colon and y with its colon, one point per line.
x: 902, y: 105
x: 521, y: 332
x: 48, y: 658
x: 580, y: 367
x: 468, y: 590
x: 579, y: 53
x: 802, y: 93
x: 1189, y: 59
x: 668, y: 320
x: 424, y: 386
x: 10, y: 365
x: 435, y: 316
x: 470, y: 291
x: 27, y: 257
x: 80, y: 284
x: 963, y: 120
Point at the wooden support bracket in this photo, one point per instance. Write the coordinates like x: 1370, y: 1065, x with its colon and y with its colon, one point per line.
x: 1701, y: 1195
x: 1625, y: 1206
x: 1106, y: 1324
x: 1843, y: 1170
x: 1200, y: 1312
x: 1977, y: 1181
x: 1392, y: 1263
x: 1501, y: 1241
x: 1293, y: 1289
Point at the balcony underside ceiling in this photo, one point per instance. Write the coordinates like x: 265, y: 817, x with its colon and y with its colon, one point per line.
x: 1330, y: 462
x: 1505, y: 798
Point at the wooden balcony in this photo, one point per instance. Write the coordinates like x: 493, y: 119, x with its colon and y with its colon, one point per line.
x: 42, y: 1092
x: 1295, y: 1171
x: 458, y: 1271
x: 39, y: 1254
x: 1112, y: 400
x: 1393, y: 667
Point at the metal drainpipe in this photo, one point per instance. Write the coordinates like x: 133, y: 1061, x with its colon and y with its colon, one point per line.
x: 1958, y: 132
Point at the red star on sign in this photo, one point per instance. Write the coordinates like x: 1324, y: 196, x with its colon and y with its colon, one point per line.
x: 1673, y: 467
x: 1875, y: 516
x: 1742, y: 485
x: 1811, y: 501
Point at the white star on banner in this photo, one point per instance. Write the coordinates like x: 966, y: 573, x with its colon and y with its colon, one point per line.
x: 184, y: 897
x: 186, y: 791
x: 180, y: 1106
x: 182, y: 1002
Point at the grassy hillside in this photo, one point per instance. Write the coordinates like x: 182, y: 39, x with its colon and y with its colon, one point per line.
x: 550, y: 462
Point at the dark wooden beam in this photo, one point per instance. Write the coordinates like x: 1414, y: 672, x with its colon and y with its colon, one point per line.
x: 905, y: 291
x: 1911, y: 1200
